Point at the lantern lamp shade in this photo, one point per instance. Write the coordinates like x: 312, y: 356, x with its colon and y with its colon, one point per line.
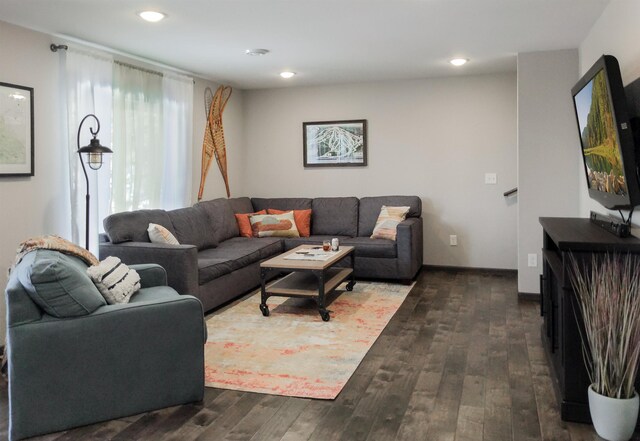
x: 94, y: 153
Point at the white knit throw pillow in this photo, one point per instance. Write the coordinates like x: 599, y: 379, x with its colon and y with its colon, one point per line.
x: 115, y: 280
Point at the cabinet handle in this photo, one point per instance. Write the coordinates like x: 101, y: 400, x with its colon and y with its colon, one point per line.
x: 542, y: 293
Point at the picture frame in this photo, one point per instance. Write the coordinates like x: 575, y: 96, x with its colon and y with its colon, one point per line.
x: 16, y: 130
x: 335, y: 143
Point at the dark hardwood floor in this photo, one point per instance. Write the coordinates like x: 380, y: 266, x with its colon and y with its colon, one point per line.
x: 461, y: 360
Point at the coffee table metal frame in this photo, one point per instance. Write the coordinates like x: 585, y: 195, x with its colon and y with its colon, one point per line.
x: 307, y: 278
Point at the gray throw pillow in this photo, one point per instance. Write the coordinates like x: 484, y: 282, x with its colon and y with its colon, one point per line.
x: 58, y: 283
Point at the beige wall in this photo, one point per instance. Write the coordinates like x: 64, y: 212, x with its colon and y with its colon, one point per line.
x: 547, y: 138
x: 615, y: 33
x: 39, y: 204
x: 434, y: 138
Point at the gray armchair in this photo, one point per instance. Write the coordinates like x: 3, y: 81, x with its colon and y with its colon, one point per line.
x: 115, y: 361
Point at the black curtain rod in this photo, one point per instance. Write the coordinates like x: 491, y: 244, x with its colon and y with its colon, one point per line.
x: 57, y: 47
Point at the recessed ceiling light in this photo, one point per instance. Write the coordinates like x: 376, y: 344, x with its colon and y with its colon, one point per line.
x: 458, y: 61
x: 151, y: 16
x: 287, y: 74
x: 256, y: 52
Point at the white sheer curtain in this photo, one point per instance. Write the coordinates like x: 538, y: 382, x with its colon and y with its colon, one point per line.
x: 153, y: 129
x: 88, y: 80
x: 138, y: 133
x: 178, y: 134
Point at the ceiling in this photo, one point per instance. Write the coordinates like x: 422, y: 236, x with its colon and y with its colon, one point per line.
x: 324, y: 41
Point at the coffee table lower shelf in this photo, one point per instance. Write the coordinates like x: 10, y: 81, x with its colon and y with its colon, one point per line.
x: 308, y: 284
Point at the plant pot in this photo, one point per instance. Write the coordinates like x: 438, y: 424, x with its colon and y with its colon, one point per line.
x: 614, y: 419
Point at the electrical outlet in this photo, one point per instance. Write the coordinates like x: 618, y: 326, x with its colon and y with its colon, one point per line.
x: 533, y: 260
x: 453, y: 240
x: 490, y: 178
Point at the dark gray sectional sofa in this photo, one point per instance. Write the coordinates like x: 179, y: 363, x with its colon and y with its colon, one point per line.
x: 217, y: 265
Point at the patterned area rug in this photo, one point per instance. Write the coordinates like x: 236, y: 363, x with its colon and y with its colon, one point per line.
x: 293, y: 352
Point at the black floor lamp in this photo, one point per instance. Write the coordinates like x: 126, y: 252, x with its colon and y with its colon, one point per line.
x: 94, y: 153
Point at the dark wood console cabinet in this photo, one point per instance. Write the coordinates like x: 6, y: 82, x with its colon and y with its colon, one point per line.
x: 560, y: 334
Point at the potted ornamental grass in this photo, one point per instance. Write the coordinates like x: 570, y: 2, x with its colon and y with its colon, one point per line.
x: 608, y: 296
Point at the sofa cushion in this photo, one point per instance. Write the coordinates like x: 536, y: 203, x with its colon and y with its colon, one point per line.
x: 335, y: 216
x: 284, y: 204
x: 20, y: 308
x: 367, y: 247
x: 59, y: 284
x: 241, y: 205
x: 193, y: 227
x: 234, y: 254
x: 153, y: 294
x: 221, y: 220
x: 131, y: 226
x: 370, y: 209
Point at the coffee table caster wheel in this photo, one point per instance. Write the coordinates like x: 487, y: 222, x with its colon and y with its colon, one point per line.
x: 325, y: 316
x: 265, y: 310
x: 350, y: 285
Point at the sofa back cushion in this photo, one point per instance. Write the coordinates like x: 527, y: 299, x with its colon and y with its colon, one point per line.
x: 241, y: 205
x: 335, y: 216
x: 131, y: 226
x: 193, y: 227
x: 284, y: 204
x: 221, y: 221
x: 58, y: 283
x: 370, y: 210
x: 20, y: 308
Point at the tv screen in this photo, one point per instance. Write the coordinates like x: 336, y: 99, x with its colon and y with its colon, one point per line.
x: 598, y: 135
x: 605, y: 136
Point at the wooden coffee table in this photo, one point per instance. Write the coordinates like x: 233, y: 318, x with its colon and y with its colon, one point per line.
x: 308, y: 278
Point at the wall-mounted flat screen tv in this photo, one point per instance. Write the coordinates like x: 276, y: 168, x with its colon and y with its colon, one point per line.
x: 607, y: 144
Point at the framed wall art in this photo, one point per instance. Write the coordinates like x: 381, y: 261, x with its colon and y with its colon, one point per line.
x: 335, y: 143
x: 16, y: 130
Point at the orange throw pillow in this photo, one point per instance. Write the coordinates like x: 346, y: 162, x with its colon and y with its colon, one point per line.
x: 244, y: 225
x: 302, y: 218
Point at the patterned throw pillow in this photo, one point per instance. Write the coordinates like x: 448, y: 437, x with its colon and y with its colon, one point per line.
x: 115, y: 280
x: 274, y: 225
x: 302, y: 217
x: 159, y: 234
x: 244, y: 225
x: 388, y: 221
